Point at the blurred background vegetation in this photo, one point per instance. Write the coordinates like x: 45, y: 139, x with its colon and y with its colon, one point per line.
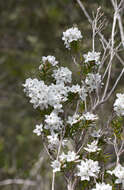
x: 28, y: 30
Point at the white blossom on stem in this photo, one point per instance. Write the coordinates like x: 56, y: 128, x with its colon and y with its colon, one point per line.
x: 119, y: 105
x: 50, y: 59
x: 119, y: 173
x: 73, y: 119
x: 62, y: 75
x: 69, y: 157
x: 70, y: 35
x: 93, y: 81
x: 90, y: 116
x: 92, y: 56
x: 87, y: 169
x: 74, y: 88
x: 38, y: 130
x: 96, y: 133
x: 102, y: 186
x: 53, y: 122
x: 83, y: 93
x: 92, y: 147
x: 63, y: 157
x: 54, y: 141
x: 57, y: 93
x: 37, y: 91
x: 56, y: 165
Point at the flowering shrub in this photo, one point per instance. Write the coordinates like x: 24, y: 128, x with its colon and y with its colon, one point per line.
x: 85, y: 161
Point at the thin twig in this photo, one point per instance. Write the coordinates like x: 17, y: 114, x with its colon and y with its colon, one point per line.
x: 111, y: 54
x: 59, y: 149
x: 99, y: 33
x: 17, y: 181
x: 113, y: 88
x: 53, y: 181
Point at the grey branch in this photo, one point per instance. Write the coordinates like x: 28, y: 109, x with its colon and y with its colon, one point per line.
x: 17, y: 181
x: 99, y: 33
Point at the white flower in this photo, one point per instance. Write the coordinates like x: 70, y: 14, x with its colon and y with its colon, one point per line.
x: 62, y: 75
x: 83, y: 93
x: 43, y: 96
x: 63, y: 156
x: 86, y: 116
x: 119, y: 173
x: 75, y: 88
x: 92, y: 56
x: 73, y: 119
x: 56, y: 165
x: 53, y: 139
x: 38, y: 130
x: 50, y: 59
x: 38, y: 93
x: 90, y: 116
x: 64, y: 142
x: 102, y: 186
x: 93, y: 81
x: 87, y: 169
x: 92, y: 147
x: 96, y: 134
x: 70, y: 35
x: 29, y: 83
x: 57, y: 93
x: 71, y: 156
x: 119, y: 105
x: 53, y: 122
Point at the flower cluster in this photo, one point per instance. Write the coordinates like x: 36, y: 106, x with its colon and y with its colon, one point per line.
x: 53, y: 122
x: 92, y: 147
x: 77, y: 118
x: 96, y: 133
x: 54, y: 141
x: 119, y: 173
x: 83, y: 93
x: 70, y: 35
x: 70, y: 157
x: 87, y: 169
x: 93, y: 81
x: 43, y: 95
x: 49, y: 59
x: 62, y: 75
x: 38, y: 130
x: 92, y: 56
x: 119, y: 105
x: 90, y: 116
x: 75, y: 88
x: 102, y: 186
x: 56, y: 165
x: 73, y: 119
x: 37, y: 91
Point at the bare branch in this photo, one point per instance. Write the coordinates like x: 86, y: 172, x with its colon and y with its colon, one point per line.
x: 113, y: 88
x: 111, y: 53
x: 84, y: 10
x: 18, y: 182
x: 99, y: 33
x: 119, y: 19
x: 121, y: 29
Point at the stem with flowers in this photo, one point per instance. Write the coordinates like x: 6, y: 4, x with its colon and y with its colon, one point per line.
x: 70, y: 126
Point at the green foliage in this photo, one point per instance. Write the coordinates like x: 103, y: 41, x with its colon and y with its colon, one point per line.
x: 117, y: 125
